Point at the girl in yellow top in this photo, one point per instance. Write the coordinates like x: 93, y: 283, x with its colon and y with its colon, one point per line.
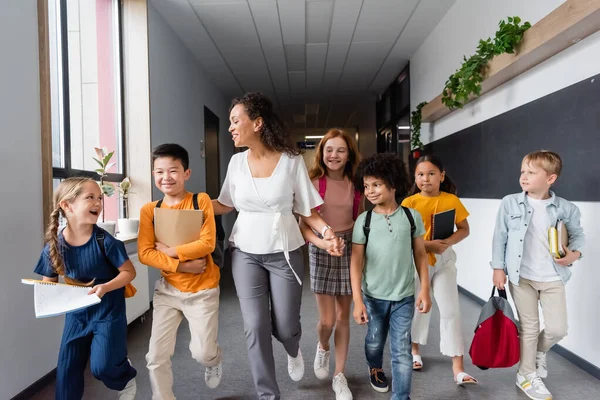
x: 432, y: 193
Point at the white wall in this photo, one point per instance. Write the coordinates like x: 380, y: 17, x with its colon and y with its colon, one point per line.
x: 28, y: 347
x: 179, y: 90
x: 439, y: 56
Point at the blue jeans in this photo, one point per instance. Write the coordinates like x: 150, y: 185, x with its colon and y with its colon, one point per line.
x: 395, y: 316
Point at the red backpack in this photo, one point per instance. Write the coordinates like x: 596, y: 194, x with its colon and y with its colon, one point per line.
x: 496, y: 340
x: 323, y: 187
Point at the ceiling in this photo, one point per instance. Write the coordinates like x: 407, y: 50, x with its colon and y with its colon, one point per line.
x: 318, y: 60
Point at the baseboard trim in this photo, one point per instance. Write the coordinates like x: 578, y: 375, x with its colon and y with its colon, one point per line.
x: 558, y: 349
x: 32, y: 390
x: 45, y: 380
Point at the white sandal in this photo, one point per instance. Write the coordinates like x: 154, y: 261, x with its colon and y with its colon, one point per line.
x: 417, y: 359
x: 460, y: 379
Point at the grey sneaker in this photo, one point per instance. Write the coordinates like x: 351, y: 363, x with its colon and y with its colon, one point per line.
x: 321, y: 364
x: 212, y: 375
x: 540, y: 364
x: 129, y: 391
x: 533, y: 386
x: 340, y: 387
x: 296, y: 366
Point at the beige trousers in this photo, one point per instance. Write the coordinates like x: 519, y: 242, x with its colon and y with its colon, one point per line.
x: 551, y: 296
x: 201, y: 309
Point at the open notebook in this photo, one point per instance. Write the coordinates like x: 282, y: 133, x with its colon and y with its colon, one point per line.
x: 51, y: 299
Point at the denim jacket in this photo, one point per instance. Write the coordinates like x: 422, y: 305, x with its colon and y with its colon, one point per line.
x: 511, y: 225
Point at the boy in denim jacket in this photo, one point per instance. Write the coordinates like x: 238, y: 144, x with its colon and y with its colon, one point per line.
x: 521, y: 249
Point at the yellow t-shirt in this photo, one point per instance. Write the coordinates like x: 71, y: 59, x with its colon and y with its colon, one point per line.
x: 428, y: 206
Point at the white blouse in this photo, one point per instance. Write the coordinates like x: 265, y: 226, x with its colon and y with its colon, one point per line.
x: 266, y: 223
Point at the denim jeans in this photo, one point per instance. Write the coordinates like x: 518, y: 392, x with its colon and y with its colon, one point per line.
x: 395, y: 316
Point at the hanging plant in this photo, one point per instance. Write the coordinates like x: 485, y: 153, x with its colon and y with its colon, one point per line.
x: 466, y: 81
x: 415, y: 128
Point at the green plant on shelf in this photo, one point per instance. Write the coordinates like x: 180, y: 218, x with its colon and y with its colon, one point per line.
x: 466, y: 81
x: 415, y: 127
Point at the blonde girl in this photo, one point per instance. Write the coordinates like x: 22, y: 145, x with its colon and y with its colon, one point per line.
x: 332, y: 174
x: 97, y: 333
x: 434, y: 192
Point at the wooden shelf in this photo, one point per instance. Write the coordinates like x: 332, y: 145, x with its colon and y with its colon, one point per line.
x: 571, y: 22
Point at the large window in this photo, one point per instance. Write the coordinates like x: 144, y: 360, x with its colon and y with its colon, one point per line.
x: 86, y: 90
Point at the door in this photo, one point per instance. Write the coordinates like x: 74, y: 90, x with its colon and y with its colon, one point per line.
x: 211, y: 137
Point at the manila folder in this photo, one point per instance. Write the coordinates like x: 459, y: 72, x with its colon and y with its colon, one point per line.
x: 177, y: 227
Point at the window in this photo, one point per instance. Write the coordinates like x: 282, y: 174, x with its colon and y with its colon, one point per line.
x: 86, y: 90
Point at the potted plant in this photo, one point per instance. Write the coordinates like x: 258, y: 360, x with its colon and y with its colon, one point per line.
x: 127, y: 226
x: 415, y: 138
x: 107, y: 188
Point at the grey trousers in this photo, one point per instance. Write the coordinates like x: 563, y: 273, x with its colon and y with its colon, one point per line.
x: 270, y: 300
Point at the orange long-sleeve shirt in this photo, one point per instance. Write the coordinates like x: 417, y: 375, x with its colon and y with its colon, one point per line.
x: 202, y: 247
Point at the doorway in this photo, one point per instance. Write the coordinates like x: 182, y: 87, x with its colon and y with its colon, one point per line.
x: 211, y: 137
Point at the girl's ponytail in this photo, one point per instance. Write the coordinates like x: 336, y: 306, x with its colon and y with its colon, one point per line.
x: 51, y: 238
x: 68, y: 190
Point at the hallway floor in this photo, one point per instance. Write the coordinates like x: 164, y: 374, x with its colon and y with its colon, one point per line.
x: 434, y: 381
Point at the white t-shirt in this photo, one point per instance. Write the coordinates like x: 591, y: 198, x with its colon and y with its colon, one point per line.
x: 537, y: 264
x: 266, y: 223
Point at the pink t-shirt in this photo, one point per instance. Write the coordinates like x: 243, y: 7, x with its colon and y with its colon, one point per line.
x: 339, y: 203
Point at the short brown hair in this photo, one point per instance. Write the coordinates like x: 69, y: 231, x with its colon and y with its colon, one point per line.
x: 547, y: 160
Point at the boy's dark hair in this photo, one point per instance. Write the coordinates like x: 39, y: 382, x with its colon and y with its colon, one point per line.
x: 388, y: 167
x: 174, y: 151
x: 447, y: 185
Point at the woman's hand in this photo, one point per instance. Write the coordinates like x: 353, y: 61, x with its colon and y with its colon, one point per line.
x: 334, y: 247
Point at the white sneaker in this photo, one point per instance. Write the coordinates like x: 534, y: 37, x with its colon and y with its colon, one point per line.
x: 212, y: 375
x: 321, y: 364
x: 533, y: 386
x: 340, y: 387
x: 296, y: 366
x: 129, y: 391
x: 540, y: 364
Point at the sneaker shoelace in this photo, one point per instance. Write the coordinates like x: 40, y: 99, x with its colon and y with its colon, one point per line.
x: 213, y: 370
x: 342, y: 385
x: 536, y: 381
x: 375, y: 372
x: 541, y: 361
x: 321, y: 355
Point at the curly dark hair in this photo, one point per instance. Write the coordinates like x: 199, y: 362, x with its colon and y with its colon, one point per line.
x: 447, y: 185
x: 388, y: 167
x: 274, y: 134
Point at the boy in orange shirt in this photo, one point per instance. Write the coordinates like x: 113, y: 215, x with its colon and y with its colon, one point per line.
x: 189, y: 286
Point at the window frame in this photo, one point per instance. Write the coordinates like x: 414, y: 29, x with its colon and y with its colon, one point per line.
x: 67, y: 171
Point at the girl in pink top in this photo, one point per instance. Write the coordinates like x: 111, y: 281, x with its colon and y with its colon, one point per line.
x: 332, y: 174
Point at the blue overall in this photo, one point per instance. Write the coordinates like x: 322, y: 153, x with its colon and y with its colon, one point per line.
x: 97, y: 333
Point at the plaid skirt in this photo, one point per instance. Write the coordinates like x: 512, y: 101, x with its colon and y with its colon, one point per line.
x: 331, y: 275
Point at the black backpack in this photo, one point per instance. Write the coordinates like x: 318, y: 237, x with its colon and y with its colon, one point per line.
x: 367, y: 225
x: 218, y: 255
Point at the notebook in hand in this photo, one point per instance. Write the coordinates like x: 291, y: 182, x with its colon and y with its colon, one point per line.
x: 557, y: 238
x: 177, y: 227
x: 51, y: 299
x: 442, y: 225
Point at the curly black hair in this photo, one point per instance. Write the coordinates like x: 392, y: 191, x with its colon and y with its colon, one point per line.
x: 388, y: 167
x: 274, y: 134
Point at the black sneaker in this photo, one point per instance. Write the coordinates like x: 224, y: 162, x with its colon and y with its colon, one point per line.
x: 379, y: 382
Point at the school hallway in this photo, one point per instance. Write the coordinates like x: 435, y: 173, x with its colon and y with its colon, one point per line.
x: 434, y: 381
